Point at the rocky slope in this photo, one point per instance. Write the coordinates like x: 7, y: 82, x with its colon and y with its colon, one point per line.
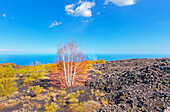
x: 134, y: 85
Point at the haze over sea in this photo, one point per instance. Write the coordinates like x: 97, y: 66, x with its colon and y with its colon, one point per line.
x: 26, y: 59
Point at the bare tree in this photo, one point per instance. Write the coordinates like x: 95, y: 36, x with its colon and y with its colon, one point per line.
x: 70, y: 62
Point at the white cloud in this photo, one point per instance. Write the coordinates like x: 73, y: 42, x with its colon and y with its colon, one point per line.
x: 23, y: 51
x: 82, y: 8
x: 55, y: 23
x: 98, y: 13
x: 4, y: 15
x: 121, y: 2
x: 6, y: 50
x: 85, y: 21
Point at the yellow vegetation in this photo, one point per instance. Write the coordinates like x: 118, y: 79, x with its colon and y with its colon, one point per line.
x: 37, y: 90
x: 7, y: 87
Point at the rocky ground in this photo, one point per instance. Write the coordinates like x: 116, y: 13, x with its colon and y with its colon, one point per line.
x: 134, y: 85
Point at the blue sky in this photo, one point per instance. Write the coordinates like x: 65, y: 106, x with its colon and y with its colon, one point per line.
x: 100, y: 26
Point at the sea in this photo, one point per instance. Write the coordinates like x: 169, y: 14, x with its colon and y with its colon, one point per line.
x: 28, y: 59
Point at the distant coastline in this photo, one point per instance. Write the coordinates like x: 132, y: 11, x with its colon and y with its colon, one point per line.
x: 26, y: 59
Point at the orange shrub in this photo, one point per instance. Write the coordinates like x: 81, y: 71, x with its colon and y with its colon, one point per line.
x: 81, y: 73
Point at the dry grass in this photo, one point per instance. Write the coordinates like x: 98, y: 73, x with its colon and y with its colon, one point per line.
x: 88, y: 106
x: 9, y: 103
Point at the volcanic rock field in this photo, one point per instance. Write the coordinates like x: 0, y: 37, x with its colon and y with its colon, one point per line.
x: 131, y: 85
x: 134, y: 85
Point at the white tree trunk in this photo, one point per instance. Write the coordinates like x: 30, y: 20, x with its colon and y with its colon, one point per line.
x: 69, y: 53
x: 71, y: 79
x: 65, y: 72
x: 68, y: 72
x: 74, y: 73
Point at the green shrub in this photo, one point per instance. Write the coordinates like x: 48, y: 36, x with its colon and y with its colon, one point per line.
x: 36, y: 72
x: 22, y: 70
x: 49, y: 68
x: 7, y: 87
x: 32, y: 73
x: 7, y: 71
x: 27, y: 80
x: 53, y: 107
x: 37, y: 89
